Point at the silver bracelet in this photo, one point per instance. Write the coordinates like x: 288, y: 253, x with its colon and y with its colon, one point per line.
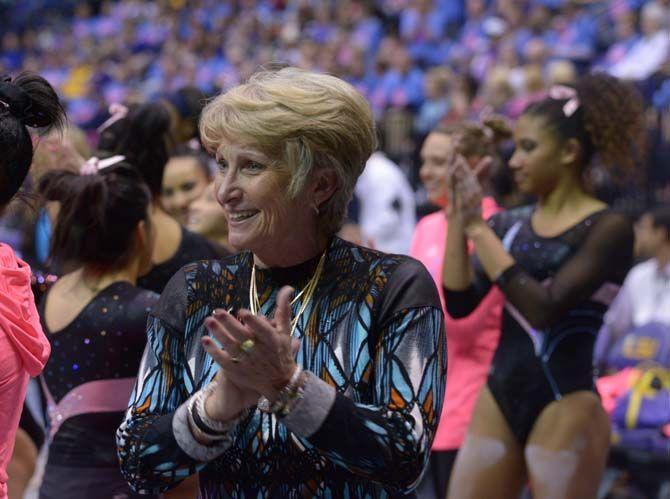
x: 201, y: 436
x: 197, y: 415
x: 287, y: 396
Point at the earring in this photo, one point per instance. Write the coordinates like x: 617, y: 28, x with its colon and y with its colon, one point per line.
x: 316, y: 209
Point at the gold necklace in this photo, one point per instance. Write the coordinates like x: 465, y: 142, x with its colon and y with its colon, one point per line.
x: 307, y: 291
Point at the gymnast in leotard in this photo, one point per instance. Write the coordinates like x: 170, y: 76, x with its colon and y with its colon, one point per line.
x: 558, y: 263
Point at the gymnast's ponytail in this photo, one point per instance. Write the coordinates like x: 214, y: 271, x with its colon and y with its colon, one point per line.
x: 98, y: 215
x: 28, y: 101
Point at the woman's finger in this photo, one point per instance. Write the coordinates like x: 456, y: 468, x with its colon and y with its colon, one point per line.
x: 482, y: 166
x: 283, y: 313
x: 265, y: 335
x: 217, y: 354
x: 235, y: 327
x: 216, y: 329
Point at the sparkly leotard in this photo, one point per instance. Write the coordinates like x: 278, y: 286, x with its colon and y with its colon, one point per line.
x: 88, y: 381
x: 557, y: 294
x: 372, y: 336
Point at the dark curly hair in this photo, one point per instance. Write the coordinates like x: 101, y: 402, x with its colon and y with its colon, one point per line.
x: 608, y: 121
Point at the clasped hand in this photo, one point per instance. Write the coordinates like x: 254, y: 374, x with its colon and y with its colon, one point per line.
x: 465, y: 190
x: 257, y: 357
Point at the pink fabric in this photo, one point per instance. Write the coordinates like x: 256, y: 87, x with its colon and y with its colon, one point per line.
x: 614, y: 386
x: 104, y: 395
x: 471, y: 341
x: 24, y: 349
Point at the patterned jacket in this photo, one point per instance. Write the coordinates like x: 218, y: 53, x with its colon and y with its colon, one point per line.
x: 374, y: 345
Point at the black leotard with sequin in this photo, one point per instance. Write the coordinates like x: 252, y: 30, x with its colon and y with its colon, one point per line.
x: 557, y: 294
x: 104, y: 342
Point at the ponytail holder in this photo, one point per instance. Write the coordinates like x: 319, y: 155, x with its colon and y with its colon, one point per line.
x: 118, y: 112
x: 562, y: 92
x: 94, y: 164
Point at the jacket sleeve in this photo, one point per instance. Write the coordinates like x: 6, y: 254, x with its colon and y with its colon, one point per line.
x: 387, y: 440
x: 150, y: 447
x: 606, y: 251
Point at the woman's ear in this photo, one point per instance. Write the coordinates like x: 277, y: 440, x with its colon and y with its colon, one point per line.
x: 324, y: 185
x: 571, y: 152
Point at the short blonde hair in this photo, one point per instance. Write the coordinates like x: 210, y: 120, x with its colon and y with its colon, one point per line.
x: 303, y: 120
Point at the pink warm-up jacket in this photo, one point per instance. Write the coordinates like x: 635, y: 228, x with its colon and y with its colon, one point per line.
x: 24, y: 349
x: 471, y: 341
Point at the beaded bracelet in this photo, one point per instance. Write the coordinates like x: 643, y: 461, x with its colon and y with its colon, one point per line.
x: 287, y: 396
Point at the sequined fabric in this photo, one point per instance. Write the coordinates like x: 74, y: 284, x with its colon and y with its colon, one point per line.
x: 104, y: 342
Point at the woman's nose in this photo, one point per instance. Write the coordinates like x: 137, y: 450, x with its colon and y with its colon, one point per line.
x: 228, y: 189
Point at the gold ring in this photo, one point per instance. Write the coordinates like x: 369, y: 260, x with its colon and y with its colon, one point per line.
x: 247, y: 345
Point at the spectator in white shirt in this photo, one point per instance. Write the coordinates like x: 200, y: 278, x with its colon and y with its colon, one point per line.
x: 387, y: 206
x: 651, y: 50
x: 645, y: 294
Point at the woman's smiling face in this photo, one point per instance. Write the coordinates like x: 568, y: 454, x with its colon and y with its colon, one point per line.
x: 435, y: 154
x: 184, y: 180
x: 252, y: 189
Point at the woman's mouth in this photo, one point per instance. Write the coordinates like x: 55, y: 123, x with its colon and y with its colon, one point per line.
x: 240, y: 216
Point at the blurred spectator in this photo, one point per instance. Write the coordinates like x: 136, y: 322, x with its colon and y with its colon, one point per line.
x: 185, y: 106
x: 437, y: 104
x: 462, y: 93
x: 576, y: 32
x: 508, y: 58
x: 185, y: 178
x: 651, y: 50
x: 645, y: 295
x: 386, y: 206
x: 207, y: 218
x: 496, y: 94
x: 401, y: 84
x: 625, y: 38
x: 561, y: 72
x: 143, y: 136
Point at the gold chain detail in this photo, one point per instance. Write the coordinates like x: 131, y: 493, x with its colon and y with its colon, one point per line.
x: 307, y: 291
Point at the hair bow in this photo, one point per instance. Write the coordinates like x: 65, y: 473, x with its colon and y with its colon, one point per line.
x: 94, y: 164
x: 118, y: 112
x: 563, y: 92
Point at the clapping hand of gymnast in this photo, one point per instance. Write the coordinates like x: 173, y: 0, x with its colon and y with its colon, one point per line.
x: 465, y: 190
x: 257, y: 357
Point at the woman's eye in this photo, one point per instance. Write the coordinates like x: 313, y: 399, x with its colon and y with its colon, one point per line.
x: 223, y: 165
x: 254, y: 166
x: 527, y: 145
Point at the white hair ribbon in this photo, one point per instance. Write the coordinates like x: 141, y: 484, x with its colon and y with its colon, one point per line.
x: 562, y: 92
x: 94, y: 165
x: 118, y: 112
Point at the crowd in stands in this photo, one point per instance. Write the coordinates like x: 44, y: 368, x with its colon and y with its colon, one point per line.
x: 429, y: 69
x: 417, y: 62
